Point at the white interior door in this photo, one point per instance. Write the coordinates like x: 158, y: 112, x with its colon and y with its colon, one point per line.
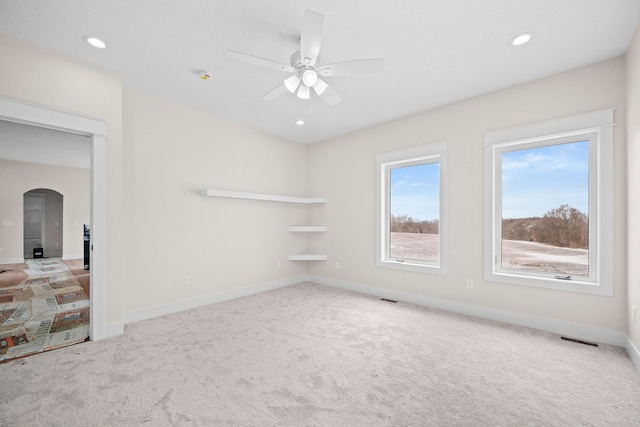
x: 34, y: 222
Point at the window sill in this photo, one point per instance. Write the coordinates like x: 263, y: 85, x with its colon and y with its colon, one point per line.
x: 408, y: 266
x: 550, y: 283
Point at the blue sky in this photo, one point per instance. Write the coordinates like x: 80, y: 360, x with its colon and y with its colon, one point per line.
x: 539, y: 179
x: 414, y: 191
x: 534, y: 181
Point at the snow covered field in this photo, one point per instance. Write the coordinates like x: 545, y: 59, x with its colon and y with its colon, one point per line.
x: 516, y: 254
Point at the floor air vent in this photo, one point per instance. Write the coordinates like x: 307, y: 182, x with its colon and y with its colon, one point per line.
x: 388, y: 300
x: 579, y: 341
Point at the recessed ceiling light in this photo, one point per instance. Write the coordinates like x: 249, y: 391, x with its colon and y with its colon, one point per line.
x: 299, y: 122
x: 521, y: 39
x: 95, y: 42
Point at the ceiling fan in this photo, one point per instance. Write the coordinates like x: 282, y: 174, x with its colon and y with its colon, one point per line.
x: 307, y: 67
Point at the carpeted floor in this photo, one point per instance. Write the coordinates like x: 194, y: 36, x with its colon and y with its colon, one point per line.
x: 314, y: 355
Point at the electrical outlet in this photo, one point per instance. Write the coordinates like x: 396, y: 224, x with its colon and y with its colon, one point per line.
x: 185, y: 280
x: 469, y: 284
x: 239, y: 166
x: 278, y: 265
x: 7, y: 223
x: 633, y: 313
x: 337, y: 265
x: 1, y: 250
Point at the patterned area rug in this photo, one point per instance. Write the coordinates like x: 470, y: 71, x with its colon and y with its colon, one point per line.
x: 48, y: 310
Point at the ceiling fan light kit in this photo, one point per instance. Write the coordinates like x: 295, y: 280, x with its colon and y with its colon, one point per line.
x: 320, y: 87
x: 292, y: 83
x: 309, y: 77
x: 306, y: 65
x: 303, y: 92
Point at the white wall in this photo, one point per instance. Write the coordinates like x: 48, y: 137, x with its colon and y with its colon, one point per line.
x: 350, y: 189
x: 16, y: 178
x: 633, y: 159
x: 170, y: 154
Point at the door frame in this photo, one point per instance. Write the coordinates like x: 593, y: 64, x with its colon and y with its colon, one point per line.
x: 18, y: 111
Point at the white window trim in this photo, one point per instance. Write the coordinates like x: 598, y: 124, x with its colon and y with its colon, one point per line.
x: 437, y: 151
x: 600, y: 123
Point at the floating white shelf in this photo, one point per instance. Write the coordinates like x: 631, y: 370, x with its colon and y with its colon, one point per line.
x: 211, y: 192
x: 307, y: 257
x: 307, y: 228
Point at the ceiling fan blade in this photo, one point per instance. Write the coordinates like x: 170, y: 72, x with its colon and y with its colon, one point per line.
x: 360, y: 66
x: 311, y: 37
x: 330, y: 95
x: 274, y: 93
x: 261, y: 62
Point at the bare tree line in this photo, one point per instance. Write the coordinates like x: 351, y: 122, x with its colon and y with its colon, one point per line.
x: 563, y: 226
x: 406, y: 224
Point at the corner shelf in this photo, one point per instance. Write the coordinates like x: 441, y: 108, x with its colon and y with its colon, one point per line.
x: 212, y: 192
x: 307, y: 229
x: 307, y: 257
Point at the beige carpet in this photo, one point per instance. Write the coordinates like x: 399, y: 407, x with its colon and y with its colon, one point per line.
x: 314, y: 355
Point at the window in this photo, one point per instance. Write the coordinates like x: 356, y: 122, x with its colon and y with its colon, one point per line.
x: 411, y: 225
x: 549, y: 204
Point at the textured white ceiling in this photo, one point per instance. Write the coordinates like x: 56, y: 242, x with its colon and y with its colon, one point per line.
x: 436, y: 51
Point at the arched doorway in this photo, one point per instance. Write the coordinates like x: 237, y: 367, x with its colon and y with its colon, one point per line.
x: 43, y: 223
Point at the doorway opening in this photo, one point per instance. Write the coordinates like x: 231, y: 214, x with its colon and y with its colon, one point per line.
x: 17, y: 111
x: 44, y: 300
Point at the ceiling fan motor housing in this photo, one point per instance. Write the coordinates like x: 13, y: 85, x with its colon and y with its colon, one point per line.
x: 308, y: 73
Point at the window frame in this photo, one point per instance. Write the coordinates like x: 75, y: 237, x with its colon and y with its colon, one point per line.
x: 597, y: 127
x: 429, y: 153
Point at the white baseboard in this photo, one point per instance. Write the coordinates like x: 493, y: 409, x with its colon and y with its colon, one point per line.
x: 174, y: 307
x: 113, y: 329
x: 72, y: 256
x: 11, y: 260
x: 561, y: 327
x: 634, y: 354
